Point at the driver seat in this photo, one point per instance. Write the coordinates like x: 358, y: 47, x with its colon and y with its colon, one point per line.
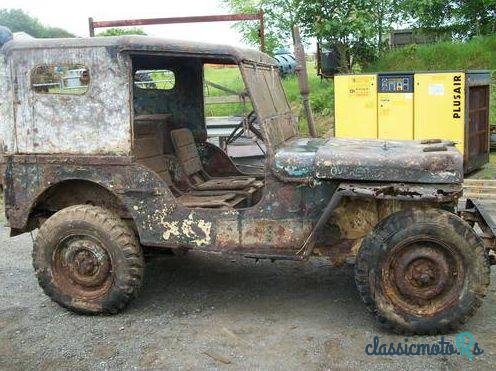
x: 189, y: 158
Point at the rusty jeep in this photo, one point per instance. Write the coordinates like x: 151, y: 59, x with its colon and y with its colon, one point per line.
x: 106, y: 154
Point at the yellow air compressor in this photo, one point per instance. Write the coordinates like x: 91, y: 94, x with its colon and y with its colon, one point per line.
x: 452, y: 105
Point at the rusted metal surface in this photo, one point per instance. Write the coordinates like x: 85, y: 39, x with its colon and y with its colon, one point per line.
x: 476, y: 212
x: 133, y: 43
x: 388, y: 161
x: 145, y: 182
x: 301, y: 69
x: 367, y: 160
x: 438, y: 193
x: 7, y: 138
x: 423, y: 276
x: 59, y: 123
x: 82, y: 267
x: 216, y: 162
x: 30, y: 179
x: 477, y: 131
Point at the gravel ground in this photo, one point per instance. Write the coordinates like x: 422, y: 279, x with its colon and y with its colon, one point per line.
x: 205, y: 311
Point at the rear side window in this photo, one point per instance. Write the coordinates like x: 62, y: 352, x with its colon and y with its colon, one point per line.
x: 60, y: 79
x: 155, y: 79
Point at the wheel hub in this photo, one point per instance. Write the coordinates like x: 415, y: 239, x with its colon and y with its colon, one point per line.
x: 422, y: 276
x: 87, y: 262
x: 82, y: 266
x: 422, y: 273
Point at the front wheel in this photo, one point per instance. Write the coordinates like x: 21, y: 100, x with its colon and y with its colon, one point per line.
x: 88, y: 260
x: 422, y: 271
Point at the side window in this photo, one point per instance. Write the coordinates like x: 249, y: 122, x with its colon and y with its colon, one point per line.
x: 155, y: 79
x: 60, y: 79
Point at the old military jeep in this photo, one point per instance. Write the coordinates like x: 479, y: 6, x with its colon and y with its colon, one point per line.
x: 105, y: 164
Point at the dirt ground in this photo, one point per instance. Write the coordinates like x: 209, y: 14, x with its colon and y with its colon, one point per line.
x: 207, y: 311
x: 203, y: 311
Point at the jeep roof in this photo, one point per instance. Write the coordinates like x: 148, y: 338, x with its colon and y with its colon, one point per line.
x: 146, y: 44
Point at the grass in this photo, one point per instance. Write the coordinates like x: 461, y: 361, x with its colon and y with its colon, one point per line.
x: 488, y: 171
x: 229, y: 77
x: 478, y: 53
x: 321, y: 98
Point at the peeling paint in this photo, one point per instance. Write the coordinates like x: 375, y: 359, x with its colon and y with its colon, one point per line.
x: 196, y: 231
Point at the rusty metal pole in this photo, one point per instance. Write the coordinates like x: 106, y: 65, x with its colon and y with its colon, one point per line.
x: 91, y: 27
x: 261, y: 31
x: 173, y: 20
x: 303, y: 80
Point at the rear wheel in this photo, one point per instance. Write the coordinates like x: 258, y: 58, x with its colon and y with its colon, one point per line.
x: 88, y: 260
x: 422, y: 271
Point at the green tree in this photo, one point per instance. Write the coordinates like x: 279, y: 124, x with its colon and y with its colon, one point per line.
x: 355, y: 27
x: 122, y: 31
x: 462, y: 18
x: 382, y: 14
x: 279, y: 15
x: 17, y: 20
x: 342, y: 24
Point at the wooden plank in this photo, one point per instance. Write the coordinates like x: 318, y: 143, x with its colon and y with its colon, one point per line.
x: 480, y: 196
x: 153, y: 117
x: 489, y: 182
x: 222, y: 99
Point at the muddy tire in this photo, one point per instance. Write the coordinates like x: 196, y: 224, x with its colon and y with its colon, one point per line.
x: 88, y: 260
x: 422, y: 271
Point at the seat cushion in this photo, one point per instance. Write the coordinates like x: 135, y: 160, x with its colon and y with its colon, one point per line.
x: 186, y: 151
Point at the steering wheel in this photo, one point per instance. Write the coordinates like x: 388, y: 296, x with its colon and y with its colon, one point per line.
x: 246, y: 125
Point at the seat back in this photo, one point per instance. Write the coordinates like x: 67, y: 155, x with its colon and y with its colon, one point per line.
x: 149, y: 148
x: 186, y: 151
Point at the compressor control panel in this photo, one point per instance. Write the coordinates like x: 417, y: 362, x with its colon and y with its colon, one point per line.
x: 395, y: 83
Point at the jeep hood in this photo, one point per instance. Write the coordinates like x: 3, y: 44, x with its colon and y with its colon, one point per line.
x: 369, y: 160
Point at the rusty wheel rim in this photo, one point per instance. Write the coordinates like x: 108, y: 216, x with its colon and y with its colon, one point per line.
x: 82, y: 268
x: 423, y: 276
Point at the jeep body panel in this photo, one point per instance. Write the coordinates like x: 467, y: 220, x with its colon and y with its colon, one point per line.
x: 7, y: 138
x: 369, y: 160
x: 96, y: 122
x: 278, y: 224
